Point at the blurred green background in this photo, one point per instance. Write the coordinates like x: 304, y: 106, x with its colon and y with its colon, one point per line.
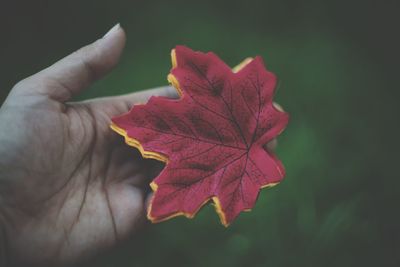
x: 337, y: 62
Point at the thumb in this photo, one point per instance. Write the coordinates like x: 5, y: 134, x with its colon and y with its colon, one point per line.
x: 77, y: 71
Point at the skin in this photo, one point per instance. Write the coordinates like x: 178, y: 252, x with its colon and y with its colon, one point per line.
x: 69, y: 186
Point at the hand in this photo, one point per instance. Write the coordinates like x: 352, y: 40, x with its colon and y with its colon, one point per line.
x: 69, y: 186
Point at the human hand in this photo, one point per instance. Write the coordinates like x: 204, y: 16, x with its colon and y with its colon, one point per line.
x: 69, y: 186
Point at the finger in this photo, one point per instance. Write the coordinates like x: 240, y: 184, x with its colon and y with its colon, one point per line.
x: 115, y: 105
x: 167, y: 91
x: 77, y: 71
x: 143, y: 96
x: 147, y: 200
x: 271, y: 145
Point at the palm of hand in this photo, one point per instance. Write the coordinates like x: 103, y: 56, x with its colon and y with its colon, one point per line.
x: 85, y: 187
x: 70, y: 187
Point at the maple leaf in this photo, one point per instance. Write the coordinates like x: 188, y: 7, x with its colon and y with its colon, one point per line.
x: 211, y: 138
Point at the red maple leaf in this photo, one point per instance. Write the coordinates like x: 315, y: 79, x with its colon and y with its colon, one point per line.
x: 211, y: 138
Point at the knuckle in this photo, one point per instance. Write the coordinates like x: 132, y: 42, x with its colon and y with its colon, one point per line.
x: 21, y: 84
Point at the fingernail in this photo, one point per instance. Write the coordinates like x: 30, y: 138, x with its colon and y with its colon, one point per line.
x: 113, y: 30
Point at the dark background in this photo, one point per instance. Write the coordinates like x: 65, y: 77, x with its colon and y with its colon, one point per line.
x: 338, y: 65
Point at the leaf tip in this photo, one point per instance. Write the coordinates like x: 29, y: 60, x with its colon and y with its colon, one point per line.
x: 242, y: 64
x: 269, y: 185
x: 220, y: 212
x: 174, y: 82
x: 173, y: 58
